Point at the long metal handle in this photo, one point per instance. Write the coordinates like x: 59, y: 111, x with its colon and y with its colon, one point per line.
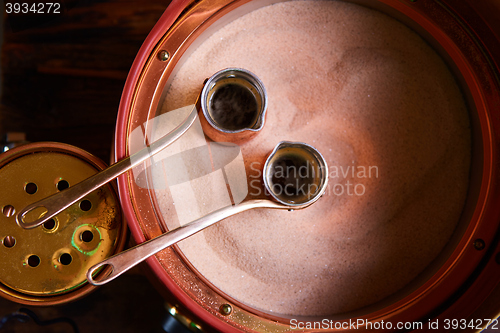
x: 123, y: 261
x: 56, y: 203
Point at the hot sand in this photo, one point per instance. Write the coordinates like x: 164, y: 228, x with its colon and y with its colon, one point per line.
x: 369, y: 94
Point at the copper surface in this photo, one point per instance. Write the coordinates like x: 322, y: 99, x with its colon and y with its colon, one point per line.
x: 62, y: 250
x: 246, y: 79
x: 465, y: 276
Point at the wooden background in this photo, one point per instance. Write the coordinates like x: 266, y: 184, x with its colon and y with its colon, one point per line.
x: 62, y: 78
x: 63, y: 75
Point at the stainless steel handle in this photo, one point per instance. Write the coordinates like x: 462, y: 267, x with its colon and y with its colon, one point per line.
x: 122, y: 262
x: 56, y: 203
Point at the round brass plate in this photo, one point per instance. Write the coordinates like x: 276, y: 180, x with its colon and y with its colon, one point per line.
x: 53, y: 258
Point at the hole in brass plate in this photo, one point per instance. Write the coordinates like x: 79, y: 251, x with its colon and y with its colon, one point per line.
x: 31, y: 188
x: 62, y: 185
x: 8, y: 210
x: 87, y: 236
x: 33, y: 260
x: 65, y: 259
x: 9, y: 241
x: 85, y: 205
x: 50, y: 224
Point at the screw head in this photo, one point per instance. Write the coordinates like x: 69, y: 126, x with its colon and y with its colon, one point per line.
x: 226, y: 309
x: 479, y: 244
x: 163, y: 55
